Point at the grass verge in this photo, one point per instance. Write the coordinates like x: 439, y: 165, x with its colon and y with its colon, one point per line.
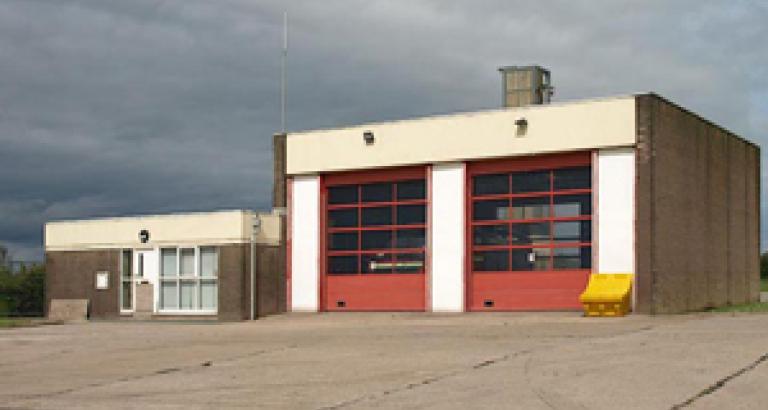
x: 749, y: 307
x: 9, y: 322
x: 764, y: 285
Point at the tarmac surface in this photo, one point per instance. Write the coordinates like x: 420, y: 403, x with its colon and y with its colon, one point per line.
x: 393, y: 361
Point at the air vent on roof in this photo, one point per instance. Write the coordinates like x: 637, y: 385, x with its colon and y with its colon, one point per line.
x: 525, y: 85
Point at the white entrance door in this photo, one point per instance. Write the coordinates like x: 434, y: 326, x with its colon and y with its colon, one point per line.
x: 146, y: 271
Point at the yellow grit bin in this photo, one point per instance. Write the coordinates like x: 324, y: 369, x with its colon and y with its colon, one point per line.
x: 607, y: 294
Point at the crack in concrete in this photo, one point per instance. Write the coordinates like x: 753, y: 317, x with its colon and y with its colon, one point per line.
x: 543, y: 394
x: 159, y: 372
x: 720, y: 383
x: 424, y: 382
x: 538, y: 392
x: 476, y: 366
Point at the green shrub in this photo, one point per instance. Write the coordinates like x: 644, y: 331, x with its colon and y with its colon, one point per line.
x: 764, y: 265
x: 22, y: 293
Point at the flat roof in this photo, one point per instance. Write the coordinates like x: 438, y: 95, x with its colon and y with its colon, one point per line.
x: 149, y: 216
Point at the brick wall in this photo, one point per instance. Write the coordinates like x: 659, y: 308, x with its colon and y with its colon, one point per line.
x: 71, y: 275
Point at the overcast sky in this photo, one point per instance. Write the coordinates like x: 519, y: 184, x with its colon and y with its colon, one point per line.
x: 145, y: 106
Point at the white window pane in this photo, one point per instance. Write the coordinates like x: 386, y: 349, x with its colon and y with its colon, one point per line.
x: 208, y: 296
x: 168, y: 295
x: 169, y: 262
x: 209, y: 262
x: 187, y: 262
x: 188, y: 294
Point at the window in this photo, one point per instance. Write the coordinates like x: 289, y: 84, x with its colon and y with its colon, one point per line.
x: 189, y: 278
x: 532, y: 220
x: 376, y: 228
x: 126, y: 280
x: 140, y: 262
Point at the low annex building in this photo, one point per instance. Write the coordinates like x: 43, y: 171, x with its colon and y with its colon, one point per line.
x: 511, y: 209
x: 196, y: 265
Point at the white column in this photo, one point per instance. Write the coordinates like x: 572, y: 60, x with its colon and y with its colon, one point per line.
x: 447, y: 233
x: 305, y: 226
x: 615, y: 211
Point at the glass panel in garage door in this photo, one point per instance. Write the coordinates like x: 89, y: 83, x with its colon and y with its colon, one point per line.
x: 497, y: 209
x: 573, y: 178
x: 490, y: 260
x: 491, y: 235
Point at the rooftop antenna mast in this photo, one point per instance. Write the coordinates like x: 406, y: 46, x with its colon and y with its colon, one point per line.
x: 282, y: 72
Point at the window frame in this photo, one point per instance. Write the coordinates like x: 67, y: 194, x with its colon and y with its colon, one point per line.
x: 196, y: 277
x: 126, y: 279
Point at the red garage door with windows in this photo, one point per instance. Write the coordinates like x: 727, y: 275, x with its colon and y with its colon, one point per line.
x: 529, y: 232
x: 374, y: 240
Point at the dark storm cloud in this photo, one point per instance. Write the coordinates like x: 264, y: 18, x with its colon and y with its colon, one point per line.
x: 125, y: 107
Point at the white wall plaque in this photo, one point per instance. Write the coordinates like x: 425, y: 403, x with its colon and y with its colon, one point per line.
x: 102, y: 280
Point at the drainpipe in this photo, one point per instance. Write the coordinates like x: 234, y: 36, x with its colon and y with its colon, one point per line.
x: 254, y: 228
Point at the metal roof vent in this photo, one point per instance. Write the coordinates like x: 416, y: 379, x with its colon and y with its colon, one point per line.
x: 525, y: 85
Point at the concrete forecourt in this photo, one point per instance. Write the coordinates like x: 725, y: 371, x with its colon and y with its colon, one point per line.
x: 392, y: 361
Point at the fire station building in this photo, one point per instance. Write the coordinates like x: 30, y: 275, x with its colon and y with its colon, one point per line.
x: 512, y: 209
x: 497, y: 210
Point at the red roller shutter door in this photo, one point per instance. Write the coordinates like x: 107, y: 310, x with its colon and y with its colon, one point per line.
x: 529, y: 225
x: 374, y: 226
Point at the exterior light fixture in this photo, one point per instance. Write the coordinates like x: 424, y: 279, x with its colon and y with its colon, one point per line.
x: 144, y: 236
x: 522, y: 126
x: 368, y: 137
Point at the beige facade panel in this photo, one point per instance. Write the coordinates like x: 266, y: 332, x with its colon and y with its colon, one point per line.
x: 207, y: 228
x: 269, y: 229
x: 487, y: 134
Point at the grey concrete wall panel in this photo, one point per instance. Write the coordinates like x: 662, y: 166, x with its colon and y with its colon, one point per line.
x: 275, y: 300
x: 673, y: 202
x: 737, y: 230
x: 697, y: 215
x: 279, y: 170
x: 753, y: 223
x: 698, y: 280
x: 233, y: 282
x: 269, y: 286
x: 270, y: 272
x: 717, y: 217
x: 643, y: 205
x: 282, y: 280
